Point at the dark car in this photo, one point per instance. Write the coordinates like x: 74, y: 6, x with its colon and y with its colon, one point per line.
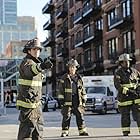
x: 49, y: 103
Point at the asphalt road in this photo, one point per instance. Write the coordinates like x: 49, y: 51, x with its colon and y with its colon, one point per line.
x: 100, y: 127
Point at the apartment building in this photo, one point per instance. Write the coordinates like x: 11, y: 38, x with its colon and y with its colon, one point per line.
x: 95, y: 32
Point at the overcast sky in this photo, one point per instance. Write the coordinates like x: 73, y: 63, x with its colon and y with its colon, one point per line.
x: 34, y: 8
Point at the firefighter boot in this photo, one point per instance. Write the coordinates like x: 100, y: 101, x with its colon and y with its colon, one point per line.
x: 83, y: 134
x: 125, y: 133
x: 64, y: 134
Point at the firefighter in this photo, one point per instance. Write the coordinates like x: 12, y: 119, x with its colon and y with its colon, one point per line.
x: 126, y: 81
x: 72, y: 97
x: 29, y: 92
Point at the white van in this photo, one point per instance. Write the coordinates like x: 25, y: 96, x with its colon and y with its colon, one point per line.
x: 101, y: 93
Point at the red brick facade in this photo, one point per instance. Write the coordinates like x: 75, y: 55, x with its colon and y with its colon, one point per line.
x: 95, y: 32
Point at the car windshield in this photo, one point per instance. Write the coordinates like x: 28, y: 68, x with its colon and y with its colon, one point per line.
x: 96, y: 90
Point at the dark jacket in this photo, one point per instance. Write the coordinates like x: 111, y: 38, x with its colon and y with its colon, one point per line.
x: 125, y: 82
x: 30, y: 83
x: 65, y: 91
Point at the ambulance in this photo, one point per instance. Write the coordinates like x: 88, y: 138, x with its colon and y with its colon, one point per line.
x: 101, y: 93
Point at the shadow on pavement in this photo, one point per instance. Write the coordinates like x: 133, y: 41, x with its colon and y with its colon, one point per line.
x: 95, y: 114
x: 120, y: 137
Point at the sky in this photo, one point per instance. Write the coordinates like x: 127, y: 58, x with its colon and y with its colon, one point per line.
x: 34, y: 8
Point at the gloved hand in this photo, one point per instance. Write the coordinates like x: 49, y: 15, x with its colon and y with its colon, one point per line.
x: 132, y: 92
x: 47, y: 64
x: 84, y: 105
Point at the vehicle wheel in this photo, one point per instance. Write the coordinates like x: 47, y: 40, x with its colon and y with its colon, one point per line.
x: 117, y: 110
x: 104, y: 110
x: 45, y: 109
x: 54, y: 109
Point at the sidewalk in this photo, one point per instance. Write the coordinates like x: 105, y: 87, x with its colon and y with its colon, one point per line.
x: 9, y: 130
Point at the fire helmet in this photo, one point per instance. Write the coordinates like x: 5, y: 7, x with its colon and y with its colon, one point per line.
x: 124, y: 57
x: 73, y: 62
x: 33, y: 43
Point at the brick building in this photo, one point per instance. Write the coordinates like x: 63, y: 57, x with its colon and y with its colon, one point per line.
x: 95, y: 32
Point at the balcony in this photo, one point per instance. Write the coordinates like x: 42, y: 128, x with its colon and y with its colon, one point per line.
x: 121, y: 1
x: 49, y: 42
x: 89, y: 36
x: 47, y: 8
x: 78, y: 18
x: 48, y: 25
x: 88, y: 10
x: 120, y: 22
x: 79, y: 42
x: 62, y: 14
x: 59, y: 51
x: 62, y: 33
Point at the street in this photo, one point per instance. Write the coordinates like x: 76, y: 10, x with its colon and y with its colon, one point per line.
x: 102, y: 127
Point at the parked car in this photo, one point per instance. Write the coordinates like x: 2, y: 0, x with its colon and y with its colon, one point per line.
x: 49, y: 103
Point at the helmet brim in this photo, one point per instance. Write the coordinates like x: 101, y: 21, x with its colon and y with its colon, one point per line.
x: 125, y: 60
x: 25, y: 50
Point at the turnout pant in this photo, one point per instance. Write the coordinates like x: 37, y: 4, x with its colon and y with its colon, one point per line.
x: 31, y: 124
x: 125, y: 116
x: 67, y: 113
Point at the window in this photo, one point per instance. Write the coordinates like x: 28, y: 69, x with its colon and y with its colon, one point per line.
x: 78, y: 37
x: 111, y: 16
x: 108, y: 92
x: 58, y: 10
x: 99, y: 24
x: 6, y: 36
x: 78, y: 13
x: 96, y: 90
x: 98, y: 2
x: 87, y: 56
x: 87, y: 6
x: 88, y: 31
x: 113, y: 48
x: 128, y: 42
x: 15, y: 36
x: 98, y: 52
x: 127, y: 8
x: 23, y: 36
